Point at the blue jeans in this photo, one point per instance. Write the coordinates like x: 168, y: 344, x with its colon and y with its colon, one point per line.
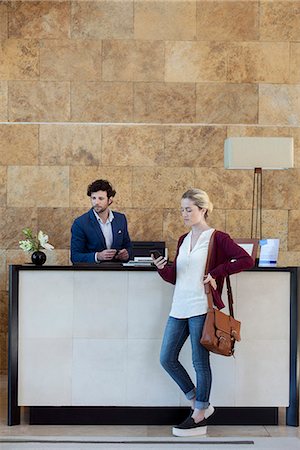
x: 176, y: 333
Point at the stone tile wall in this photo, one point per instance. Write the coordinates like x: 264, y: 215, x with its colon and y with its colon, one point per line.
x: 143, y: 93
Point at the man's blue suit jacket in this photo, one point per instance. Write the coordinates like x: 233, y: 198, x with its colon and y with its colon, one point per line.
x: 87, y: 237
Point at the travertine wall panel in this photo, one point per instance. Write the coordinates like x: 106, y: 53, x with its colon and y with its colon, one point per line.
x: 39, y: 185
x: 280, y: 20
x: 166, y: 20
x: 120, y: 177
x: 228, y: 20
x: 132, y: 146
x: 227, y: 103
x: 131, y: 60
x: 143, y: 93
x: 164, y: 102
x: 39, y: 19
x: 19, y: 59
x: 3, y: 20
x: 3, y: 312
x: 69, y: 144
x: 279, y: 104
x: 101, y: 102
x: 195, y: 61
x: 3, y: 184
x: 3, y: 101
x: 294, y: 231
x: 19, y: 144
x: 39, y: 101
x: 160, y: 187
x: 295, y: 62
x: 194, y: 146
x: 12, y: 221
x: 103, y: 19
x: 70, y: 60
x: 253, y: 62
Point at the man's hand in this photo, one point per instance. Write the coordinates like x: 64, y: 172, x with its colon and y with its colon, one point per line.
x: 106, y: 255
x: 123, y: 254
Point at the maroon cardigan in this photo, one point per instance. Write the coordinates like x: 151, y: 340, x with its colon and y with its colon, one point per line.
x: 227, y: 258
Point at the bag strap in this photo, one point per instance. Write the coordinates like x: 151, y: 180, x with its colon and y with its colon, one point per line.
x: 208, y: 287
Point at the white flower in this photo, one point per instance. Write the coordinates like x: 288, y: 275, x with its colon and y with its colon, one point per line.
x: 43, y: 239
x: 34, y: 243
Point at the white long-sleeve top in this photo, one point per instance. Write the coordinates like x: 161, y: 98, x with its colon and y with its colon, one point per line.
x: 189, y: 298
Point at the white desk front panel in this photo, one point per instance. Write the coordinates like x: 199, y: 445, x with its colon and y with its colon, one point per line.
x: 92, y: 338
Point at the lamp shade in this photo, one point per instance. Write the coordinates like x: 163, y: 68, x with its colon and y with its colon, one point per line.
x: 263, y: 152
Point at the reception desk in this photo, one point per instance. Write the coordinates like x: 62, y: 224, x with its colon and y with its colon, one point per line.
x: 84, y: 346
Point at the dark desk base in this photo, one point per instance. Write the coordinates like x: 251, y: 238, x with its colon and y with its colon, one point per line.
x: 146, y: 416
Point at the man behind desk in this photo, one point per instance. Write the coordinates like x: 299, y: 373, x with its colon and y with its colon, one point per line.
x: 100, y: 234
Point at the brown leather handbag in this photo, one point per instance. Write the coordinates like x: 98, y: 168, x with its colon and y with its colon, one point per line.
x: 220, y: 331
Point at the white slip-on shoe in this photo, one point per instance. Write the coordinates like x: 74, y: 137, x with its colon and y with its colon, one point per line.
x: 209, y: 411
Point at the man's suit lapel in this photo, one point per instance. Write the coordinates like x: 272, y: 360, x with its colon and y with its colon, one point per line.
x: 96, y: 227
x: 117, y: 231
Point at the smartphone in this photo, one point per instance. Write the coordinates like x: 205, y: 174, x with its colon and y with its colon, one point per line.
x: 155, y: 253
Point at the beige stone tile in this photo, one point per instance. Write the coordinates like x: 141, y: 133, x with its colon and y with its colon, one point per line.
x: 267, y: 131
x: 144, y: 224
x: 3, y: 20
x: 281, y: 189
x: 104, y: 19
x: 130, y: 60
x: 295, y: 133
x: 279, y: 104
x: 70, y: 60
x: 58, y: 257
x: 227, y: 20
x: 119, y: 177
x: 3, y: 282
x: 40, y: 186
x: 295, y: 62
x: 18, y: 144
x: 160, y: 187
x: 238, y: 223
x: 173, y: 225
x: 288, y: 259
x: 165, y: 20
x: 3, y: 184
x: 102, y: 102
x: 132, y: 146
x: 39, y: 19
x: 279, y: 20
x: 57, y: 222
x: 12, y: 222
x: 294, y: 231
x: 212, y: 181
x: 3, y: 353
x: 227, y: 189
x: 164, y: 102
x: 243, y: 431
x: 39, y: 101
x: 19, y: 59
x: 3, y: 101
x: 3, y: 312
x: 199, y: 146
x: 227, y: 103
x: 217, y: 219
x: 275, y: 225
x: 70, y: 144
x: 195, y: 61
x: 254, y: 62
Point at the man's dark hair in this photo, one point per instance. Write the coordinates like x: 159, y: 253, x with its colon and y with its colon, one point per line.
x: 101, y: 185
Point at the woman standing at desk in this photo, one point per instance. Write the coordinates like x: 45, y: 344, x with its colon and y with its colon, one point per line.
x: 190, y: 306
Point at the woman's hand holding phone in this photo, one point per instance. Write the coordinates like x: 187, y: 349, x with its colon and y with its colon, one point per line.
x: 158, y: 260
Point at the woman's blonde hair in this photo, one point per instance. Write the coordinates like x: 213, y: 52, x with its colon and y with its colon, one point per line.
x: 199, y: 198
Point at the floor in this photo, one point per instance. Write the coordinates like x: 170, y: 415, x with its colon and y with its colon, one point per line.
x: 30, y: 437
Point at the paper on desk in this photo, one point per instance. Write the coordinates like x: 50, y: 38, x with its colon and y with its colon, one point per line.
x: 269, y: 249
